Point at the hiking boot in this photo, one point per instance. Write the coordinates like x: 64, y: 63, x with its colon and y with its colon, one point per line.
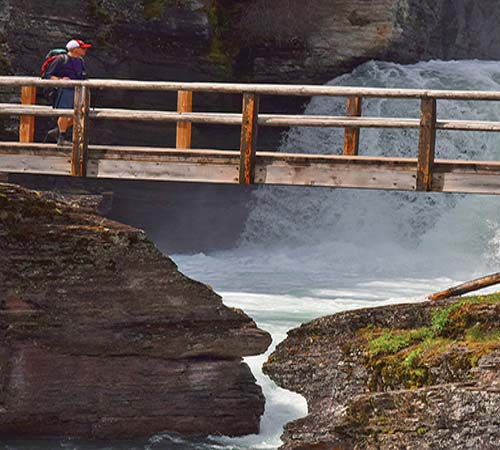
x: 52, y: 134
x: 62, y: 140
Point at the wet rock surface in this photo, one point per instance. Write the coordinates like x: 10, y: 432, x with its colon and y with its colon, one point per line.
x: 102, y: 337
x: 417, y: 376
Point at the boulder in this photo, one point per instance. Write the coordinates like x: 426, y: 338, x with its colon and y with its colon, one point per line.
x: 415, y: 376
x: 102, y: 337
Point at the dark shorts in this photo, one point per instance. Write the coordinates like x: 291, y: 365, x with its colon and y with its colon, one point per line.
x: 65, y: 99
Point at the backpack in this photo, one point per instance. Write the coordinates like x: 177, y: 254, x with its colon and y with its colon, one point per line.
x: 49, y: 57
x: 50, y: 93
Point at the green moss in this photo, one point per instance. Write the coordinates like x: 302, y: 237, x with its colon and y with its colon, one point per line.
x: 5, y: 64
x: 441, y: 318
x: 99, y: 12
x: 153, y: 9
x: 412, y: 358
x: 446, y: 349
x: 225, y: 41
x: 392, y: 341
x: 478, y: 333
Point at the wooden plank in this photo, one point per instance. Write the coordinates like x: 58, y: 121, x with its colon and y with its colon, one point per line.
x: 467, y: 125
x: 184, y: 129
x: 50, y: 165
x: 248, y: 140
x: 259, y: 89
x: 172, y: 171
x: 80, y: 132
x: 276, y: 120
x: 481, y: 177
x: 10, y: 109
x: 272, y: 120
x: 470, y: 183
x: 351, y: 135
x: 337, y: 173
x: 426, y: 144
x: 27, y: 123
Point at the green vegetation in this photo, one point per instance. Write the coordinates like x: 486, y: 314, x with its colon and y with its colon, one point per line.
x: 444, y: 350
x: 99, y: 12
x: 153, y: 8
x: 225, y: 44
x: 5, y: 63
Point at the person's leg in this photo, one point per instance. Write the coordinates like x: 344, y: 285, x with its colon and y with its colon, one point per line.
x: 64, y: 123
x: 64, y: 101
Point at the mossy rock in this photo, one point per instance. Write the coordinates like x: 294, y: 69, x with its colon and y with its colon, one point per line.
x: 444, y: 350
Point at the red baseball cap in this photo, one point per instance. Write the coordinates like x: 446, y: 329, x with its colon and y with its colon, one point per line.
x: 75, y: 43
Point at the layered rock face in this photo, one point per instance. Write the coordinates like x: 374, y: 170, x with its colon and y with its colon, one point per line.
x: 420, y: 376
x: 102, y: 337
x: 283, y: 40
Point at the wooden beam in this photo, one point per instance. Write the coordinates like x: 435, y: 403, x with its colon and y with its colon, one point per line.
x: 80, y: 132
x: 184, y: 129
x: 248, y: 140
x: 27, y: 123
x: 351, y: 135
x: 270, y: 120
x: 222, y: 166
x: 469, y: 286
x: 9, y: 109
x: 426, y: 144
x: 258, y: 89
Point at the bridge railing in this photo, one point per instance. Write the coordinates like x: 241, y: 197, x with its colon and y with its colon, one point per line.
x: 249, y: 119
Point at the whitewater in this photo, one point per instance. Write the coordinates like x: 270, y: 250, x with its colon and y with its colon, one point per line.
x: 307, y: 252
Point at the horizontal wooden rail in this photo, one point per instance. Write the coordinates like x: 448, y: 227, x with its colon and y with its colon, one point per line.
x: 260, y: 89
x: 270, y: 120
x: 12, y: 109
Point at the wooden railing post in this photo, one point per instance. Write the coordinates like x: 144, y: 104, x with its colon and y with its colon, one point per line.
x: 184, y: 129
x: 27, y: 123
x: 351, y: 135
x: 80, y: 132
x: 426, y: 144
x: 248, y: 140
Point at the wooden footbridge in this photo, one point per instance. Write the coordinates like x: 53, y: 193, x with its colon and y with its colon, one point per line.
x: 246, y: 165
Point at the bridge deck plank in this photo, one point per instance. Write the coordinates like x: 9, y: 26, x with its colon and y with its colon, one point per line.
x: 220, y: 166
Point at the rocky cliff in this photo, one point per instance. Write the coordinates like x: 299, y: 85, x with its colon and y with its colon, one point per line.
x: 280, y: 40
x: 416, y: 376
x: 101, y: 336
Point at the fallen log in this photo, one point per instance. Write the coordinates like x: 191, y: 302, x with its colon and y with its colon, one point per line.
x: 469, y: 286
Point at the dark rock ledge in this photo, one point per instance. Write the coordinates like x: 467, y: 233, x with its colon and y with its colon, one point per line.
x: 102, y: 337
x: 416, y: 376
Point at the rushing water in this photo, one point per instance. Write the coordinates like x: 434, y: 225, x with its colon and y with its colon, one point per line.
x: 308, y: 252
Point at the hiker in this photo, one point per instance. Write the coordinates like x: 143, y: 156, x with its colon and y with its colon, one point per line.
x: 70, y: 66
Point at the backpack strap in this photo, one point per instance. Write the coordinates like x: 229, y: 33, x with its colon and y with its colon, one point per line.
x: 52, y: 59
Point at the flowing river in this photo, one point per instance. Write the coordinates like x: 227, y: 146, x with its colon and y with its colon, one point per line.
x: 309, y: 252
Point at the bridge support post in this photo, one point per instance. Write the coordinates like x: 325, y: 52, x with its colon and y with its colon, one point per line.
x: 80, y: 132
x: 27, y: 123
x: 426, y: 144
x: 248, y: 140
x: 351, y: 135
x: 184, y: 129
